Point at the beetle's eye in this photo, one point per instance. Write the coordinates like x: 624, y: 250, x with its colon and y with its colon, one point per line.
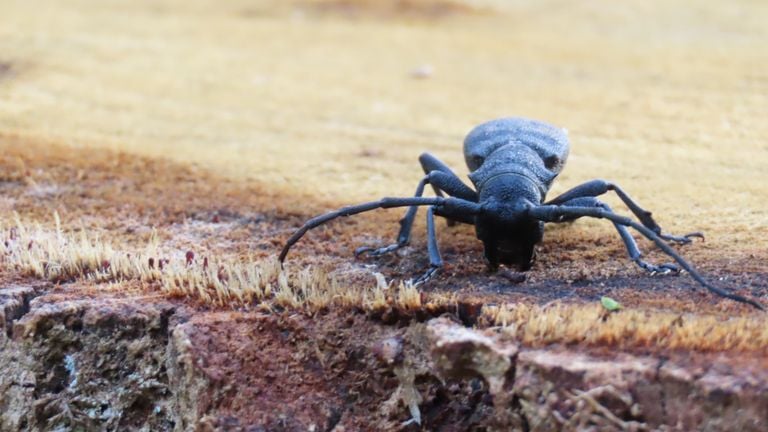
x: 478, y: 160
x: 551, y: 162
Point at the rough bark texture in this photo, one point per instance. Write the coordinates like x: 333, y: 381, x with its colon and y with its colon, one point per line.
x: 133, y: 364
x: 91, y: 364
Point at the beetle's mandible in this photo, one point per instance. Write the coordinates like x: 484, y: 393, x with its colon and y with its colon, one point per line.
x: 512, y: 163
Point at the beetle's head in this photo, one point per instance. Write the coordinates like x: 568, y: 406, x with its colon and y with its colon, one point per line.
x: 508, y: 236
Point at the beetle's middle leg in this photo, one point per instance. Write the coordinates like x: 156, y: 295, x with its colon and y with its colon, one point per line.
x: 629, y: 242
x: 442, y: 179
x: 457, y: 188
x: 594, y: 188
x: 435, y: 261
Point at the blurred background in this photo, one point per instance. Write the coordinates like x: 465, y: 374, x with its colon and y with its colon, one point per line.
x: 335, y: 99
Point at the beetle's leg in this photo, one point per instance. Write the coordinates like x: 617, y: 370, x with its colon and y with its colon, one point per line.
x: 458, y: 189
x: 430, y: 163
x: 629, y: 241
x: 406, y: 224
x: 441, y: 181
x: 435, y: 261
x: 559, y: 213
x: 456, y: 205
x: 594, y: 188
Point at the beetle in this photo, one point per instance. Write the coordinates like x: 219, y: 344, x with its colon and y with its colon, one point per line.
x: 513, y: 162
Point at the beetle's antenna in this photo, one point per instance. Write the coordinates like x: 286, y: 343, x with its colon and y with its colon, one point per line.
x: 555, y: 213
x: 388, y: 202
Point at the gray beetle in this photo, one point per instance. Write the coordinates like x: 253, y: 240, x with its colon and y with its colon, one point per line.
x: 512, y: 163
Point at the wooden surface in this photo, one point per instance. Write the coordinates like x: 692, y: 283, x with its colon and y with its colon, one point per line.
x: 324, y: 103
x: 666, y: 98
x: 180, y: 143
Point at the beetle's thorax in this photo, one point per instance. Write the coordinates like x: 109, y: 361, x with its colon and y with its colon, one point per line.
x: 506, y: 192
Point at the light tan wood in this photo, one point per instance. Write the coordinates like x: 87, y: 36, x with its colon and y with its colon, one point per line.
x: 336, y: 99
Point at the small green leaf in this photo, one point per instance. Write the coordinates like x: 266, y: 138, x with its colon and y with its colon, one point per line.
x: 610, y: 304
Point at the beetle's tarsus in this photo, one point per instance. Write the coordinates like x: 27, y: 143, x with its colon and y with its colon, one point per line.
x: 683, y: 239
x: 663, y: 269
x: 376, y: 252
x: 426, y: 277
